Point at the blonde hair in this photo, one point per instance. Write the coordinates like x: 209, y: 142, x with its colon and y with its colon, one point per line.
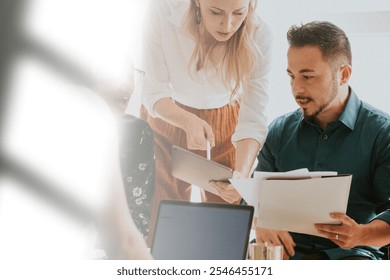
x: 238, y: 57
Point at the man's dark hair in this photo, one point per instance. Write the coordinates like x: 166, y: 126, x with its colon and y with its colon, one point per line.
x: 329, y: 38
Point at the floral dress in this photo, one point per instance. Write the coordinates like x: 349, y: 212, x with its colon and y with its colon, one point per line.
x: 137, y: 164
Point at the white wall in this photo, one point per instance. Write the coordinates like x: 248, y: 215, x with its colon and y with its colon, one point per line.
x: 367, y: 24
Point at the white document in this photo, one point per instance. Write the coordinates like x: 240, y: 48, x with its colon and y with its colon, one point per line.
x: 249, y: 188
x: 295, y: 201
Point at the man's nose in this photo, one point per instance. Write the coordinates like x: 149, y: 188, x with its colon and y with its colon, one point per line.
x: 296, y: 87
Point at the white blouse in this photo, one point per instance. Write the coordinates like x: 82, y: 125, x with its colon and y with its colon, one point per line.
x: 167, y: 50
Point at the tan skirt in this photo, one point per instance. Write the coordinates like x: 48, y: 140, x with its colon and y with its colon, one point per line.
x: 223, y: 122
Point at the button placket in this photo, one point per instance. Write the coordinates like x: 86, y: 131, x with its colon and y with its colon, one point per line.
x: 321, y: 150
x: 325, y: 136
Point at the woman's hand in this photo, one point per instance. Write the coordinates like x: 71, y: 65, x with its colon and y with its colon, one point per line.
x: 226, y: 190
x: 198, y: 132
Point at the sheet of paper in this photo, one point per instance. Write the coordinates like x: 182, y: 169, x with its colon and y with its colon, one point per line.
x: 296, y: 205
x: 246, y: 188
x: 295, y: 200
x: 249, y: 188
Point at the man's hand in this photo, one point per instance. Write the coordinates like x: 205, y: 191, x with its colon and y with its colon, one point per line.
x: 277, y: 237
x: 348, y: 234
x: 351, y: 234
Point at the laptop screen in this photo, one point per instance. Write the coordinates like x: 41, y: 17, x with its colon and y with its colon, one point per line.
x: 201, y: 231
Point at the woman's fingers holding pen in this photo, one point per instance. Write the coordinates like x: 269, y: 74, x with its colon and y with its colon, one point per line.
x: 198, y: 132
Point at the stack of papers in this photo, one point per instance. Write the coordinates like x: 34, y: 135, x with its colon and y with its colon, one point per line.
x: 295, y: 200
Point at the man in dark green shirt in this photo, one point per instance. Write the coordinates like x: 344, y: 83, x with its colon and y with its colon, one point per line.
x: 332, y: 131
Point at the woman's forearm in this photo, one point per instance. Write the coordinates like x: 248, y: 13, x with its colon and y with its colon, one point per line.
x: 167, y: 110
x: 246, y: 153
x: 197, y: 130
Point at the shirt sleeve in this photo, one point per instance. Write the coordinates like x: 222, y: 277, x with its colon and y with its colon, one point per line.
x: 382, y: 174
x: 252, y: 122
x: 156, y: 82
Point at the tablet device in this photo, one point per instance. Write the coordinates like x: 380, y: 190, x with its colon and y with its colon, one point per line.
x: 201, y: 231
x: 197, y: 170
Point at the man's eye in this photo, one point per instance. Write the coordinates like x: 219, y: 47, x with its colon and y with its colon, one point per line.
x: 215, y: 13
x: 307, y: 77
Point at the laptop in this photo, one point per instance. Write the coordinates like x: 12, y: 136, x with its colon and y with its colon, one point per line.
x: 201, y: 231
x: 197, y: 170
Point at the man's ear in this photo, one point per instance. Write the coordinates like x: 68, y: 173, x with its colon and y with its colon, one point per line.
x: 346, y: 72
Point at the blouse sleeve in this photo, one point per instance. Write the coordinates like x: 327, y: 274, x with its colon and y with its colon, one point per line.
x: 156, y: 82
x: 252, y: 121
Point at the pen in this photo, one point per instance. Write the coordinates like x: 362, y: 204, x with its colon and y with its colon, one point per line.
x: 208, y: 150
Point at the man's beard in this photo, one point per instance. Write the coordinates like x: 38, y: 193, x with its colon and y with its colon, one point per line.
x: 325, y: 105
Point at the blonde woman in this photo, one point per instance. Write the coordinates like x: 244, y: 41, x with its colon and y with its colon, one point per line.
x: 206, y: 64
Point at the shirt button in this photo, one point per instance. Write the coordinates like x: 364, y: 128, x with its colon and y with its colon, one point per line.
x: 325, y: 136
x: 319, y: 165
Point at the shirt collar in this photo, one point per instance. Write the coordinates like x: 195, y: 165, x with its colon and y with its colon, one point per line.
x: 351, y: 111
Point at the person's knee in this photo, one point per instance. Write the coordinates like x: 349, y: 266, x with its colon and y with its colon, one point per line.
x: 355, y: 258
x: 316, y: 256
